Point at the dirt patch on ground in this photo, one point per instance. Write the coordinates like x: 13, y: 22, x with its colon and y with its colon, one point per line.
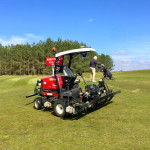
x: 136, y: 90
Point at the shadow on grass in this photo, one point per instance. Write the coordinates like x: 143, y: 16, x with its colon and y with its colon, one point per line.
x: 29, y: 103
x: 78, y: 116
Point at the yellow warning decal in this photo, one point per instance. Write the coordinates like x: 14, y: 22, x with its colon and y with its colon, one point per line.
x: 52, y: 79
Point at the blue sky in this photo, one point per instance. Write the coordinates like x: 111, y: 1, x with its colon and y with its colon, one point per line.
x: 118, y: 28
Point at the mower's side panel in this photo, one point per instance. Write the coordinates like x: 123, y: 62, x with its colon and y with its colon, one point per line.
x: 50, y: 84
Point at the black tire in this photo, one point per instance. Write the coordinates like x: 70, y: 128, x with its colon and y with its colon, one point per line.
x: 38, y: 103
x: 59, y: 108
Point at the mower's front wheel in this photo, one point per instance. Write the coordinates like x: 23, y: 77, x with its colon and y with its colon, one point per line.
x: 38, y: 103
x: 59, y: 108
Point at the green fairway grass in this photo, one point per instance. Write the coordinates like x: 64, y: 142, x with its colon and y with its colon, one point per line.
x: 123, y: 124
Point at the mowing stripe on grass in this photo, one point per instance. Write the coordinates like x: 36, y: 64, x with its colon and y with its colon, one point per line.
x: 133, y: 91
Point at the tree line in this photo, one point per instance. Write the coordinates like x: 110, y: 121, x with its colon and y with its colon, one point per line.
x: 30, y: 59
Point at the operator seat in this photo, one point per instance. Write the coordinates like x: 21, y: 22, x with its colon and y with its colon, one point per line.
x: 68, y: 73
x: 71, y: 82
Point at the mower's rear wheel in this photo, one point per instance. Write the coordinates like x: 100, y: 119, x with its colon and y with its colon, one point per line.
x: 38, y: 103
x: 59, y: 108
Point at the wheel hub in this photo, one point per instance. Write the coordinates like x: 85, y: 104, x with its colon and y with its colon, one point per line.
x: 59, y: 109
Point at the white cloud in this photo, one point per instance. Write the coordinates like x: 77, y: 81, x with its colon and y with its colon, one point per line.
x: 91, y: 20
x: 13, y: 40
x: 138, y: 57
x: 18, y: 40
x: 30, y: 35
x: 130, y: 60
x: 144, y: 62
x: 125, y: 62
x: 130, y: 64
x: 121, y: 52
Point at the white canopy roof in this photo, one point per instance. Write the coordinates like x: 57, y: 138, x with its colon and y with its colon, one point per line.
x: 75, y: 51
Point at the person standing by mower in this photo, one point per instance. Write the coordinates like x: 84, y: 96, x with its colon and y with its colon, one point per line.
x: 93, y: 63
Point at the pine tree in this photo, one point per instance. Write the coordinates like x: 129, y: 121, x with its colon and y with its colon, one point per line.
x: 30, y: 59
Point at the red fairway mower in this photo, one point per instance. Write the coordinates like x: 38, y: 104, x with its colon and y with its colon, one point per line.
x: 62, y: 93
